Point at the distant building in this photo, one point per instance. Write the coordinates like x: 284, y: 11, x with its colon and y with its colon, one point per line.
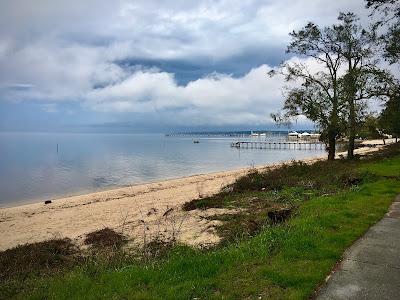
x: 305, y: 136
x: 315, y: 136
x: 293, y: 136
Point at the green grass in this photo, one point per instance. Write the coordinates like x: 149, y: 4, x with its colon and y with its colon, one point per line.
x: 387, y: 167
x: 284, y: 261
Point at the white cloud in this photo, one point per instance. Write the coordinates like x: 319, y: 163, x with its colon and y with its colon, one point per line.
x: 67, y: 51
x: 56, y: 72
x: 219, y: 98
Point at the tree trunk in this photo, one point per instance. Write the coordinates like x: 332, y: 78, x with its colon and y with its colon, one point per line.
x: 352, y: 130
x: 351, y: 92
x: 331, y: 146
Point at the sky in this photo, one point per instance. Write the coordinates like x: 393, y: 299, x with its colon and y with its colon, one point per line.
x: 159, y: 66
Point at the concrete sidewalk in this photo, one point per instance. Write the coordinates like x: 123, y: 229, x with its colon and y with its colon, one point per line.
x: 371, y: 266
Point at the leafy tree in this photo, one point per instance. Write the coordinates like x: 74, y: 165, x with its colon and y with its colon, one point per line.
x: 389, y: 11
x: 370, y: 128
x: 335, y: 97
x: 390, y: 20
x: 363, y: 78
x: 317, y: 96
x: 389, y: 119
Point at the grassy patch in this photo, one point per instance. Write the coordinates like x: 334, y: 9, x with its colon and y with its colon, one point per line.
x: 271, y: 197
x: 333, y: 204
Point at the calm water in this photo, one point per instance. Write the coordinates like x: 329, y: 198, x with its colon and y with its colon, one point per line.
x: 32, y: 170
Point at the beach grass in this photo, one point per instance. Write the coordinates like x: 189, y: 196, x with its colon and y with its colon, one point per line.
x: 332, y: 204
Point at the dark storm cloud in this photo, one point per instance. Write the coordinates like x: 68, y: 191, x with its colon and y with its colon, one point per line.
x: 190, y: 70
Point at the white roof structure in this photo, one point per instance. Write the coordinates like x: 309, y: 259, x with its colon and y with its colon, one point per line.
x: 305, y: 134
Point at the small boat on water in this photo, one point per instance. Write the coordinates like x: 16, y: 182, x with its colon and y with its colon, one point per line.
x: 196, y: 142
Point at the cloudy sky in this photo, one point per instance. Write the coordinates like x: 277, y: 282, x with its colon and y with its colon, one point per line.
x: 148, y: 65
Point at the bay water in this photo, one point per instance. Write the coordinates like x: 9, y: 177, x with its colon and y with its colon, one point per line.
x: 41, y: 166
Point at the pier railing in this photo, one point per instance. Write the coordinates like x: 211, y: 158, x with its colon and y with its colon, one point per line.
x: 310, y: 145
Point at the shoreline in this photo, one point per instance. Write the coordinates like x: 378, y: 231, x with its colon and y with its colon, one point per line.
x: 40, y: 200
x: 74, y: 217
x: 117, y: 188
x: 128, y: 210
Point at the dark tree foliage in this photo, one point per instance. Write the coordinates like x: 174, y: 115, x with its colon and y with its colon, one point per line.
x: 389, y: 10
x: 370, y: 128
x: 389, y: 119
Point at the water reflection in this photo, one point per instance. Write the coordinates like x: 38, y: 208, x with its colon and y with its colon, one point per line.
x: 32, y: 170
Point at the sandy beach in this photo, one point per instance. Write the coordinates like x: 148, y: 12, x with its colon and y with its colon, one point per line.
x: 140, y: 212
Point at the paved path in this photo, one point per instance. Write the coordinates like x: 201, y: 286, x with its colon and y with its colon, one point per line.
x: 371, y: 267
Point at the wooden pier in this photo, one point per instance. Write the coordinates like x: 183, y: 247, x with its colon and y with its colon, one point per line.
x: 279, y: 145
